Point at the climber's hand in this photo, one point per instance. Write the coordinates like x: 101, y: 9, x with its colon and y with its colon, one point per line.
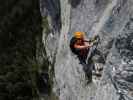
x: 88, y: 45
x: 91, y: 44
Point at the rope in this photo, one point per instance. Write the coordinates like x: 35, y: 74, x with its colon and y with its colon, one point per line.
x: 92, y: 49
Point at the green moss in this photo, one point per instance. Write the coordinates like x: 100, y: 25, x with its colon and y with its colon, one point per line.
x: 48, y: 68
x: 45, y: 25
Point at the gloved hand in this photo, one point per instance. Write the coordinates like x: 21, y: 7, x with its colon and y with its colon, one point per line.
x: 95, y: 39
x: 91, y: 44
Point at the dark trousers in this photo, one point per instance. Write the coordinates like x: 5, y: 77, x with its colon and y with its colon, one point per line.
x: 82, y: 55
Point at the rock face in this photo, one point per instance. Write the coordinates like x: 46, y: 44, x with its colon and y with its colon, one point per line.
x: 112, y: 21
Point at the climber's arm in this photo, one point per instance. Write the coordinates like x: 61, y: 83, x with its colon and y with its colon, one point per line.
x: 87, y: 45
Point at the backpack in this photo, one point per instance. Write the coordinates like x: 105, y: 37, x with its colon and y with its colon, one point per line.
x: 72, y: 42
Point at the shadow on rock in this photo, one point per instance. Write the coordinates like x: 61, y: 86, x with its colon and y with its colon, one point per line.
x: 53, y: 8
x: 43, y: 83
x: 74, y: 3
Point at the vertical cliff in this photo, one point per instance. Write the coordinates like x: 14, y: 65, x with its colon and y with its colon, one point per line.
x: 112, y: 21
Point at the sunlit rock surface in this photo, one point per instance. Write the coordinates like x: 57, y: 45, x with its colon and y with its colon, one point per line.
x: 112, y: 20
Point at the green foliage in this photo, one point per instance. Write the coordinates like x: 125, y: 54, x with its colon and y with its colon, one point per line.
x: 45, y: 25
x: 20, y: 26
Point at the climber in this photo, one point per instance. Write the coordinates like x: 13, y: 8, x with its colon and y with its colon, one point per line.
x: 80, y: 46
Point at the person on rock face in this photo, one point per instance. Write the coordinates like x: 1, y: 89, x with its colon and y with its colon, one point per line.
x: 80, y: 46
